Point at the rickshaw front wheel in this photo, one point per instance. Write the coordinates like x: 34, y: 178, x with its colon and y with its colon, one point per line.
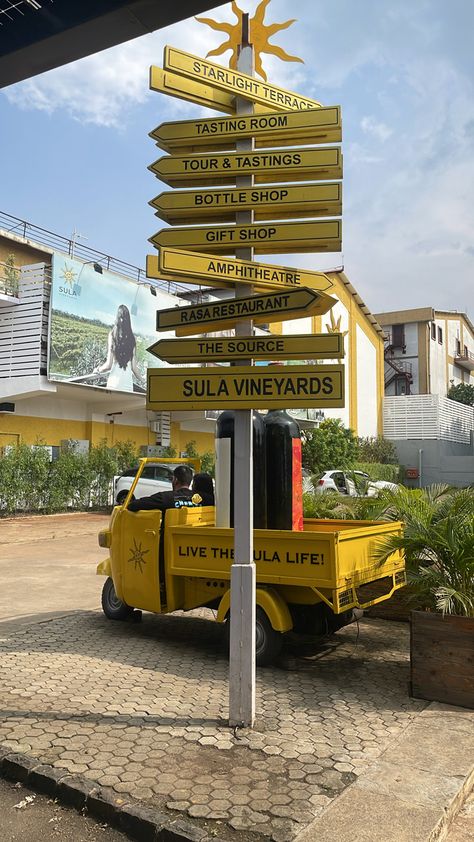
x: 112, y: 606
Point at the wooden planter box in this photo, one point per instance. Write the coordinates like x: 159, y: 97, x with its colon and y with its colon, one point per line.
x: 442, y: 658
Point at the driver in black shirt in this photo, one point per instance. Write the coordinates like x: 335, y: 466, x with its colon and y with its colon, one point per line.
x: 181, y: 495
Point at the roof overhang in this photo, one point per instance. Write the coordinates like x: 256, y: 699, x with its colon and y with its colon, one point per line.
x: 49, y: 33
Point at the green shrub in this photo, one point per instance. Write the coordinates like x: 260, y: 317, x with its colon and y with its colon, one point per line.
x: 377, y: 449
x: 438, y: 543
x: 379, y: 471
x: 207, y: 458
x: 30, y: 482
x: 462, y: 393
x: 24, y: 478
x: 11, y: 276
x: 331, y: 446
x: 70, y: 483
x: 330, y: 505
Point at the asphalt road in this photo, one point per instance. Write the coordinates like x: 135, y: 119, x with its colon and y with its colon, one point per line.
x: 29, y: 817
x: 47, y: 568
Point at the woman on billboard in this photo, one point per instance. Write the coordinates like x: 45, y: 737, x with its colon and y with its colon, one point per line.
x: 121, y: 362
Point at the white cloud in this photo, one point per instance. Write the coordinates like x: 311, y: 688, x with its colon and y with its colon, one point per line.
x: 103, y: 88
x: 403, y: 74
x: 379, y: 130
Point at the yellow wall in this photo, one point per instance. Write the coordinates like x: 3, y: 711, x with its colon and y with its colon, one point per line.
x: 51, y: 431
x: 180, y: 438
x: 356, y: 316
x: 16, y: 429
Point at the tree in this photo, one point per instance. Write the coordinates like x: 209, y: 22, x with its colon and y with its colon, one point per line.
x: 377, y: 449
x: 437, y: 542
x: 207, y: 458
x: 11, y: 276
x: 329, y: 446
x: 462, y: 393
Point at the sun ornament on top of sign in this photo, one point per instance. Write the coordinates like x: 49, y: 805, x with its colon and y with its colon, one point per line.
x: 259, y: 35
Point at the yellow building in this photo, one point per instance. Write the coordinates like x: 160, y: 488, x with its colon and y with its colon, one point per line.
x: 50, y: 389
x: 364, y: 355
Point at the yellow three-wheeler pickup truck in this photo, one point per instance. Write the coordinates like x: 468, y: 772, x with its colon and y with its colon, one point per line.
x: 308, y: 581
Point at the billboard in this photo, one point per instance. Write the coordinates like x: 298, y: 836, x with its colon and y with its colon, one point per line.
x: 101, y: 326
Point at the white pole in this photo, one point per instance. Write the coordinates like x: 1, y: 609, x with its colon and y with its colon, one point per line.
x: 242, y: 582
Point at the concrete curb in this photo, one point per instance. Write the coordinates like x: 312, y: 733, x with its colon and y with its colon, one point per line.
x: 103, y: 803
x: 414, y: 790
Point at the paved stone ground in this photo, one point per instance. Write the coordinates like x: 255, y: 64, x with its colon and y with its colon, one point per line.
x: 462, y: 829
x: 142, y: 708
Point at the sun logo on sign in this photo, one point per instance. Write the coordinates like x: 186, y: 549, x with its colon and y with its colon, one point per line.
x: 137, y: 555
x: 69, y: 274
x: 259, y: 35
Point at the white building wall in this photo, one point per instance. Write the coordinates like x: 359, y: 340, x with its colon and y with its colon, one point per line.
x: 438, y: 376
x: 340, y: 312
x: 366, y: 385
x: 71, y: 410
x: 294, y: 326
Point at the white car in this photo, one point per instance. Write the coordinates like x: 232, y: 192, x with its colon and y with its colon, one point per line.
x: 352, y: 483
x: 154, y: 478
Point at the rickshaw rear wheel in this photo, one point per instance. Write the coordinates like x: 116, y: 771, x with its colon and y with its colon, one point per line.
x: 112, y: 606
x: 268, y: 642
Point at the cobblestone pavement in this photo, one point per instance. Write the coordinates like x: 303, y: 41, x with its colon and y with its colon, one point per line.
x: 142, y: 708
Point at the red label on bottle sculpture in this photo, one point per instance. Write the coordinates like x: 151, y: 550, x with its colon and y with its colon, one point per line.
x: 297, y: 487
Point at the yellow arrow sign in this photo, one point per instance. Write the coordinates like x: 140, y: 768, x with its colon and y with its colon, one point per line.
x: 296, y: 347
x: 273, y: 202
x: 273, y: 165
x: 200, y: 93
x: 233, y: 82
x: 275, y: 306
x: 245, y: 387
x: 206, y: 270
x: 318, y: 125
x: 277, y: 237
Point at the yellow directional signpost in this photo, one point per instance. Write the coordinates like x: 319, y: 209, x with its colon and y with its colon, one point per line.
x: 234, y: 83
x: 317, y: 125
x: 191, y: 90
x: 271, y: 238
x: 205, y: 269
x: 224, y: 348
x: 269, y: 166
x: 183, y: 207
x: 271, y: 307
x: 295, y: 133
x: 246, y: 387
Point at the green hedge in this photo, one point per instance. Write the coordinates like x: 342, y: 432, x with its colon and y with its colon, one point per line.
x: 29, y: 482
x: 378, y: 471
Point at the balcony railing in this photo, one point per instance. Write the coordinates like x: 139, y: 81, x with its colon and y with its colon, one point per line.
x: 56, y: 242
x: 427, y: 417
x: 465, y: 360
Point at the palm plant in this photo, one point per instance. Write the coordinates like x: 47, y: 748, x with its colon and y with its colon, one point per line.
x: 438, y: 543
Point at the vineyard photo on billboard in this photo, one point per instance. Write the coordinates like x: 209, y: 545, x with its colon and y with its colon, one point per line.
x: 101, y: 326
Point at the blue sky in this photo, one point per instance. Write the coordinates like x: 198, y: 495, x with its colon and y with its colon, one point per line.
x: 75, y: 145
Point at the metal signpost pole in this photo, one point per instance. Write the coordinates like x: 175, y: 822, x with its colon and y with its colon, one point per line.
x: 242, y: 583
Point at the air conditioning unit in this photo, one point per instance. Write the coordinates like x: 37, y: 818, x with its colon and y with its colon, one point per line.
x: 155, y: 426
x: 76, y: 445
x: 151, y: 450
